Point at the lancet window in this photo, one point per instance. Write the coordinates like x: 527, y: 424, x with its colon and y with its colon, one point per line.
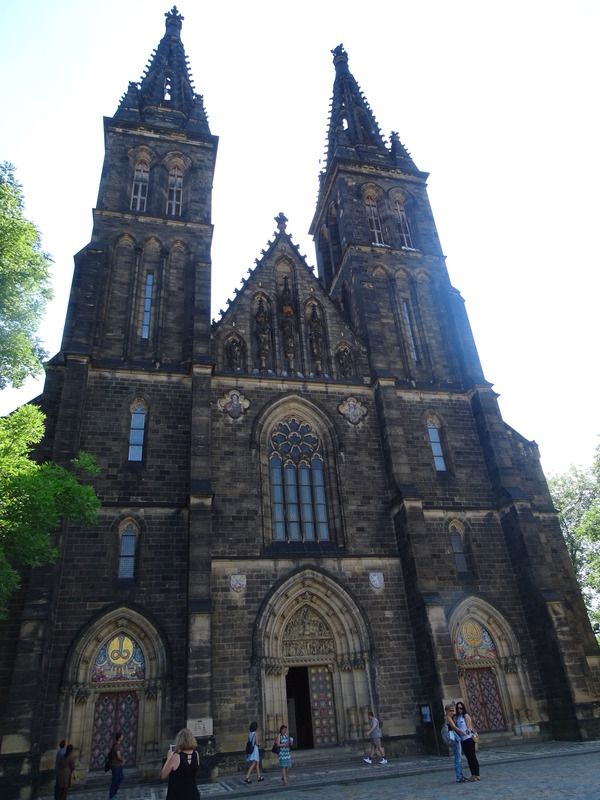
x: 299, y: 504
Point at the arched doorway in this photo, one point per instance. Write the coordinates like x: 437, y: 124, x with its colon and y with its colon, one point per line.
x: 314, y: 655
x: 492, y: 673
x: 116, y: 681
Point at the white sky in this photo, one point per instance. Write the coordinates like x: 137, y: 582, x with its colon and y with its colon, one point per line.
x: 498, y: 102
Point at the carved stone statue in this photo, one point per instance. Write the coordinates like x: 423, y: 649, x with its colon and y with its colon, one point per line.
x: 263, y: 334
x: 234, y: 354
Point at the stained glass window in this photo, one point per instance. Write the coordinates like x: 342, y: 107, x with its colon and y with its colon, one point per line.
x: 474, y: 642
x: 298, y: 497
x: 119, y: 659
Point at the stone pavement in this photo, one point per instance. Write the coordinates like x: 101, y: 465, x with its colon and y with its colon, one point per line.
x: 544, y: 771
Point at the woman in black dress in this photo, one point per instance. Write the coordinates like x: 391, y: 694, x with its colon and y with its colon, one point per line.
x: 181, y: 767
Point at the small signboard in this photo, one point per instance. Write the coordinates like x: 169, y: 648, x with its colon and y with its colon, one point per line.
x: 201, y: 727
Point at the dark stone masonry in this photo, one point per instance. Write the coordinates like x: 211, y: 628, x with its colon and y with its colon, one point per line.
x: 310, y: 508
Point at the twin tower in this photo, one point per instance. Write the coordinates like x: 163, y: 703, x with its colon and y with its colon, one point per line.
x: 310, y: 508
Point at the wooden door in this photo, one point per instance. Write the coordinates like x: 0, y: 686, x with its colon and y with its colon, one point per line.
x: 322, y: 706
x: 114, y: 711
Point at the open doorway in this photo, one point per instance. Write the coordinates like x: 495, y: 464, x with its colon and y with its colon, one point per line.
x: 298, y: 706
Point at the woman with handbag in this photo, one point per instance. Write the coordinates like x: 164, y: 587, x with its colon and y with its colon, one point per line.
x: 253, y: 753
x: 467, y: 732
x: 282, y: 748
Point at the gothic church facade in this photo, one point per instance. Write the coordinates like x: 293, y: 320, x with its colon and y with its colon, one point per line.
x: 310, y: 508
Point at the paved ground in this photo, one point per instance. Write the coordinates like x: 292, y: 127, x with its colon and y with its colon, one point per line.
x: 544, y: 771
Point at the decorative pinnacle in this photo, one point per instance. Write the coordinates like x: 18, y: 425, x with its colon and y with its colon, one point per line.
x: 174, y: 20
x: 281, y: 221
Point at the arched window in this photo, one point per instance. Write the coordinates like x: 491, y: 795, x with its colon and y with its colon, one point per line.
x: 434, y: 432
x: 403, y: 225
x: 298, y: 499
x: 175, y: 192
x: 374, y: 220
x: 139, y: 191
x: 137, y: 427
x: 146, y: 315
x: 409, y: 329
x: 128, y: 539
x: 457, y: 542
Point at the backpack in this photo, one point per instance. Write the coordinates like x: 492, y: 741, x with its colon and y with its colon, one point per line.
x: 107, y: 762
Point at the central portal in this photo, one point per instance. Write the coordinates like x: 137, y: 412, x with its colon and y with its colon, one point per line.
x: 313, y: 648
x: 310, y: 706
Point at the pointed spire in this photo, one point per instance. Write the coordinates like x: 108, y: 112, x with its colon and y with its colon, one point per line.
x: 165, y: 95
x: 352, y: 124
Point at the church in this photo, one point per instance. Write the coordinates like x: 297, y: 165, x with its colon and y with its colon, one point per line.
x: 311, y: 507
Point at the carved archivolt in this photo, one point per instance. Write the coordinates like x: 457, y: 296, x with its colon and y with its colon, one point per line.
x: 311, y: 618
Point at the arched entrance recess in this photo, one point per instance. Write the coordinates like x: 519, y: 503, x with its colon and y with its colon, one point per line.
x: 314, y: 650
x: 492, y: 672
x: 116, y: 680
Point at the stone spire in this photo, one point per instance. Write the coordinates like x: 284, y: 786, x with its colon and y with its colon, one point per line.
x: 352, y: 124
x: 165, y: 96
x: 353, y: 130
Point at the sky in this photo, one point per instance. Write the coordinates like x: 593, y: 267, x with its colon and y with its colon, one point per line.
x: 497, y: 102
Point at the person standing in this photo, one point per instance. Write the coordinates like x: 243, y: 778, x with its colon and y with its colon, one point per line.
x: 464, y: 725
x: 454, y: 741
x: 64, y: 773
x: 374, y: 733
x: 253, y: 757
x: 181, y: 767
x: 116, y: 765
x: 62, y: 746
x: 283, y: 741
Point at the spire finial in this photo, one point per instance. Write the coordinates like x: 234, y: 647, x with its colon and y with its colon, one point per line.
x: 174, y: 20
x: 281, y: 221
x: 340, y: 58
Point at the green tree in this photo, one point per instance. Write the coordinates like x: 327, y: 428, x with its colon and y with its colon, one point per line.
x: 35, y: 497
x: 24, y: 285
x: 576, y: 497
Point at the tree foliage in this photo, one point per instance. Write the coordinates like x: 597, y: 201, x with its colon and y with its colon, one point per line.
x: 35, y: 497
x: 576, y: 496
x: 24, y: 285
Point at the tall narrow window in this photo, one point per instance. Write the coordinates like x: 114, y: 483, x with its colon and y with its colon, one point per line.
x: 147, y: 306
x: 403, y: 225
x: 175, y: 192
x: 137, y: 427
x: 167, y: 89
x: 127, y: 551
x: 374, y: 221
x: 298, y: 497
x: 139, y: 191
x: 435, y: 441
x: 409, y: 330
x: 458, y: 547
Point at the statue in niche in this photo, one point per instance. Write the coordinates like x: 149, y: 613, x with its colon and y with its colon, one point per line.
x: 315, y: 338
x: 263, y: 334
x: 234, y: 354
x: 345, y: 362
x: 288, y: 325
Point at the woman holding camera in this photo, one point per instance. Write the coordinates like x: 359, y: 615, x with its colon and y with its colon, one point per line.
x: 181, y: 766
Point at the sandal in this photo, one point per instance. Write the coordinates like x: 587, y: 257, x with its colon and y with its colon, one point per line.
x: 246, y: 780
x: 260, y: 779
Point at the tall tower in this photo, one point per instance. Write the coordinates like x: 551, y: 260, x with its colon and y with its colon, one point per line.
x: 129, y: 386
x: 381, y: 261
